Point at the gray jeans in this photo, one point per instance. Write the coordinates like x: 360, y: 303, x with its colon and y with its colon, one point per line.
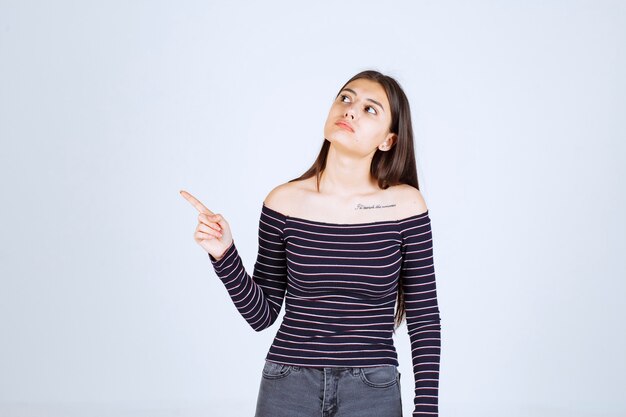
x: 298, y: 391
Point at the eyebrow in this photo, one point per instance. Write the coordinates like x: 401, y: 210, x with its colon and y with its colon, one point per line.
x: 368, y: 99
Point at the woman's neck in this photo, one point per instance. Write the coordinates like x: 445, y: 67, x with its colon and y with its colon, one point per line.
x: 344, y: 176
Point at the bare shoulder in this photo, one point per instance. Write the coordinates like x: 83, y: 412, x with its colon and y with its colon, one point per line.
x: 281, y: 198
x: 410, y: 200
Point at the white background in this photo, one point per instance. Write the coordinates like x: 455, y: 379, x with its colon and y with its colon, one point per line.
x: 107, y: 109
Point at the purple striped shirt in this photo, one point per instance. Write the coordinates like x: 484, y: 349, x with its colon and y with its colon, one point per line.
x: 340, y: 283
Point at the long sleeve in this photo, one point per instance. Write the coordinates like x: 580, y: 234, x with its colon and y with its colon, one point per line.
x: 258, y: 298
x: 422, y: 311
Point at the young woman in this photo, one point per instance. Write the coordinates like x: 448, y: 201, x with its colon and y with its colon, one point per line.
x: 344, y: 244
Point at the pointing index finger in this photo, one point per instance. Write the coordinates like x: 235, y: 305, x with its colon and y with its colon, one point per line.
x: 195, y: 202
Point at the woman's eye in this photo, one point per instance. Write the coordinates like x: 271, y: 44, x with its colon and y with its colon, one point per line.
x: 343, y: 98
x: 370, y: 110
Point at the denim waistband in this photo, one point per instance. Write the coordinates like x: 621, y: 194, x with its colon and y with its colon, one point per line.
x: 334, y: 369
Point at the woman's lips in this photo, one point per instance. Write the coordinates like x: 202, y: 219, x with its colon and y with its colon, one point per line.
x: 345, y: 125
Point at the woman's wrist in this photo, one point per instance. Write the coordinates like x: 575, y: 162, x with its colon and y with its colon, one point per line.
x: 217, y: 258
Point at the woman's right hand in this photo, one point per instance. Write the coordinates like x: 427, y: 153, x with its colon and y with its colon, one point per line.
x: 213, y: 232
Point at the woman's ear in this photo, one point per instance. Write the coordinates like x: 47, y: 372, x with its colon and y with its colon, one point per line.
x: 389, y: 141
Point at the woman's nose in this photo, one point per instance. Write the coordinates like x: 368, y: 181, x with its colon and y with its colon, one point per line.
x: 349, y: 113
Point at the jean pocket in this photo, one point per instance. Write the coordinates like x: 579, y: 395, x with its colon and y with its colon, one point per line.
x: 380, y: 376
x: 273, y: 370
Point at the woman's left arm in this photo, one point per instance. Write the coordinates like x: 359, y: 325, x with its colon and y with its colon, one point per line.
x: 422, y: 311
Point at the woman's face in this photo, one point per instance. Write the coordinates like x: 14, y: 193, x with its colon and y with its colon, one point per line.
x: 359, y: 119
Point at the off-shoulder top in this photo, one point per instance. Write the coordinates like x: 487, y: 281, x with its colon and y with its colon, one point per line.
x: 340, y: 283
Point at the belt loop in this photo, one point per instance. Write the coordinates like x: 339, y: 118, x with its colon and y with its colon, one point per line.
x: 356, y: 371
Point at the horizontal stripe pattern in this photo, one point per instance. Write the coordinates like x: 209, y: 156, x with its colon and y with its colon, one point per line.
x: 339, y: 283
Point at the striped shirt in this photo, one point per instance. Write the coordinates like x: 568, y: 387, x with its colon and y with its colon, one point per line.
x: 340, y: 283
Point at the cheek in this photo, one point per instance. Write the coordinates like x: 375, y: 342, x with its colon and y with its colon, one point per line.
x: 375, y: 129
x: 333, y: 114
x: 328, y: 126
x: 335, y: 110
x: 329, y: 120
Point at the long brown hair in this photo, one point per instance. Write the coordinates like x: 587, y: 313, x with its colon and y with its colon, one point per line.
x: 393, y: 167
